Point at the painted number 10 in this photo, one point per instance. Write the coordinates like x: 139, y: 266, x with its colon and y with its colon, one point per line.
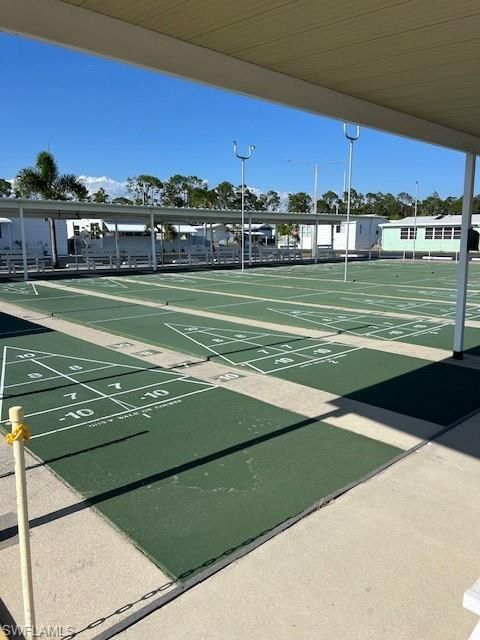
x: 80, y: 413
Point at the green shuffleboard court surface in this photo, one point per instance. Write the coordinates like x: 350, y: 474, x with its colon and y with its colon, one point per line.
x: 388, y: 381
x: 437, y: 332
x: 191, y: 472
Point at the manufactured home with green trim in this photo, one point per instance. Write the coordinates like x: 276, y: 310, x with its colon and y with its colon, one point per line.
x: 439, y: 233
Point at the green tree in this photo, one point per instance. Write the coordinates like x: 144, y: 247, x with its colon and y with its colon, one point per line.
x: 44, y: 181
x: 5, y: 188
x: 145, y: 189
x: 122, y: 200
x: 181, y: 191
x: 226, y: 197
x: 299, y: 202
x: 431, y: 205
x: 269, y: 201
x: 100, y: 196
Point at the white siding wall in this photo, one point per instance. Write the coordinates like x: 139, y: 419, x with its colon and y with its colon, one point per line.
x: 37, y: 236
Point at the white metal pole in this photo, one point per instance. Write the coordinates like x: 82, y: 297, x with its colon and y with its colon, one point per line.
x: 462, y: 276
x: 251, y: 149
x: 415, y: 220
x: 242, y: 162
x: 211, y: 241
x: 250, y: 239
x: 351, y: 139
x: 315, y: 212
x: 117, y: 248
x: 24, y: 245
x: 16, y: 417
x: 161, y: 242
x: 349, y: 195
x: 153, y: 241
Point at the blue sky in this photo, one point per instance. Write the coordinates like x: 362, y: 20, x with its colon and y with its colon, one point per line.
x: 103, y: 118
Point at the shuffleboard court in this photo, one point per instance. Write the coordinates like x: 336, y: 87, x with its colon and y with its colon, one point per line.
x: 177, y: 290
x: 189, y: 471
x: 354, y: 296
x: 388, y: 381
x: 417, y: 330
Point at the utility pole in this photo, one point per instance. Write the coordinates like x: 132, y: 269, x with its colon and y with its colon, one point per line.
x: 251, y: 149
x: 415, y: 220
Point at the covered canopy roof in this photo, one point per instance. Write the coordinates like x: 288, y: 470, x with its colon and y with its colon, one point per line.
x: 406, y: 66
x: 127, y: 213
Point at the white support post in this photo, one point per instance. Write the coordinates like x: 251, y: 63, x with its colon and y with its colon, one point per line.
x: 314, y: 239
x: 153, y: 239
x: 250, y: 239
x: 211, y: 240
x: 117, y: 248
x: 16, y: 417
x: 462, y: 275
x: 24, y: 246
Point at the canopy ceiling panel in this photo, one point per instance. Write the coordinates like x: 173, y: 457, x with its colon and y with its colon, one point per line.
x: 406, y: 66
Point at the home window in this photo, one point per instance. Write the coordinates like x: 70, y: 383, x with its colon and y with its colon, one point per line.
x: 428, y: 233
x: 438, y: 233
x: 447, y: 233
x: 456, y: 233
x: 337, y: 228
x: 408, y: 233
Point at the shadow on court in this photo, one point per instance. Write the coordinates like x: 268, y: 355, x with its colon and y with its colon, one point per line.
x: 11, y: 327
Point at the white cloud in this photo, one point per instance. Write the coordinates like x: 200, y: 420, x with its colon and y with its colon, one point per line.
x: 114, y: 188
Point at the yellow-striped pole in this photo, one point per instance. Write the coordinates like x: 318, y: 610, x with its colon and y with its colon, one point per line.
x: 19, y: 435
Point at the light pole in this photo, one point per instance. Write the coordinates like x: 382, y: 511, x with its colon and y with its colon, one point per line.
x: 351, y: 139
x: 415, y: 220
x: 251, y: 149
x: 316, y: 172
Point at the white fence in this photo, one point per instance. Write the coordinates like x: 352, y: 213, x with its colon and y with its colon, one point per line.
x: 11, y: 263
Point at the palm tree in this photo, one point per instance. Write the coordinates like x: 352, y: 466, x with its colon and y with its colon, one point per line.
x: 44, y: 181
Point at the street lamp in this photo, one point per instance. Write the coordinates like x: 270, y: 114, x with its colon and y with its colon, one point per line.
x: 316, y: 172
x: 251, y: 149
x: 351, y: 137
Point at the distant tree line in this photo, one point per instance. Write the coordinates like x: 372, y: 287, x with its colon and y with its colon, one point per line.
x: 44, y: 181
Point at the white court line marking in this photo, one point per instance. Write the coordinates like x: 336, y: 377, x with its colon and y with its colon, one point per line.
x: 185, y: 335
x: 246, y: 340
x: 37, y: 380
x: 393, y: 327
x: 120, y: 413
x: 125, y: 405
x: 240, y: 340
x: 88, y: 400
x: 34, y: 288
x: 234, y: 304
x: 144, y: 315
x: 68, y: 357
x: 313, y: 361
x: 296, y: 352
x: 281, y: 353
x: 26, y: 360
